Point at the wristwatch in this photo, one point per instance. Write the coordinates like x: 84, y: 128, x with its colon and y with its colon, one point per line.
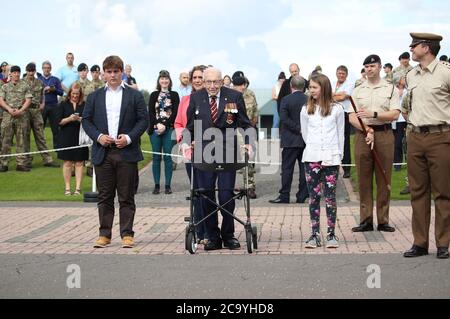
x: 375, y: 115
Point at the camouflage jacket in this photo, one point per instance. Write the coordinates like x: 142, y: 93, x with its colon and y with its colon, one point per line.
x: 15, y: 95
x: 251, y: 105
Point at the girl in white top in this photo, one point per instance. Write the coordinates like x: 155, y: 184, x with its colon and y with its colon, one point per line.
x: 322, y: 127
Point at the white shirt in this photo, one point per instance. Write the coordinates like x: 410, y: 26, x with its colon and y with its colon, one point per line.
x: 113, y: 103
x: 346, y: 87
x: 400, y: 116
x: 324, y: 136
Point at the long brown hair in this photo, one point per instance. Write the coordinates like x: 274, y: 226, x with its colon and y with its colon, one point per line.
x: 76, y: 85
x: 326, y: 96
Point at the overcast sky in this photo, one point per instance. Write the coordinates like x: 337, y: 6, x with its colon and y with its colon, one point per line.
x: 258, y: 37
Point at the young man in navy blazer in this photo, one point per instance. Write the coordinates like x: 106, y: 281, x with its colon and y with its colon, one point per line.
x: 216, y: 112
x: 115, y: 117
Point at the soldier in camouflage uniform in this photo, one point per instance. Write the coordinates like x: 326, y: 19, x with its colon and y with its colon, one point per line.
x: 389, y: 74
x: 241, y: 83
x: 404, y: 66
x: 15, y: 98
x: 95, y: 83
x: 83, y: 81
x: 36, y: 123
x: 92, y: 86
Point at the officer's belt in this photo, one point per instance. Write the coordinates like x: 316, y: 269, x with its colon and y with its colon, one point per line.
x: 429, y: 128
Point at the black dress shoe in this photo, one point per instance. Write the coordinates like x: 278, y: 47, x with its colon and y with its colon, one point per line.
x: 232, y: 243
x: 278, y: 200
x: 363, y: 227
x: 168, y: 190
x: 51, y: 164
x: 442, y: 253
x: 156, y: 190
x: 21, y: 168
x: 415, y: 251
x: 386, y: 228
x: 213, y: 245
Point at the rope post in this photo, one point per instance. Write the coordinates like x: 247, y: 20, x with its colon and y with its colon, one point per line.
x: 92, y: 197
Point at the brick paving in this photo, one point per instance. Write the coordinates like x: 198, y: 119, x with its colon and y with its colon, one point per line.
x: 281, y: 230
x: 71, y: 228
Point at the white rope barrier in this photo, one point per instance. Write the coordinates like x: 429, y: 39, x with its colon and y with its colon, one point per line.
x: 157, y: 153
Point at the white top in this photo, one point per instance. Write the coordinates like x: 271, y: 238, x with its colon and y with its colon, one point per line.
x: 324, y: 136
x: 346, y: 87
x: 113, y: 103
x: 400, y: 117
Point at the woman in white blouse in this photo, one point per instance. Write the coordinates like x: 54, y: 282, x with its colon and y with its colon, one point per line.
x: 322, y: 126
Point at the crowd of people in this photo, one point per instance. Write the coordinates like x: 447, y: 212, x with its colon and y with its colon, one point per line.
x: 315, y: 118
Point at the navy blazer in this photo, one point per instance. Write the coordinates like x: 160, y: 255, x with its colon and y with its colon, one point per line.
x: 290, y: 129
x: 133, y: 122
x: 199, y: 109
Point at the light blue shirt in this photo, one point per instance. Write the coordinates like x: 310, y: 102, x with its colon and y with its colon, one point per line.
x: 184, y: 90
x: 67, y: 75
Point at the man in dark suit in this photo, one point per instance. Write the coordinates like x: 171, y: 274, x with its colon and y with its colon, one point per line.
x: 214, y: 114
x: 285, y: 89
x: 292, y: 142
x: 115, y: 117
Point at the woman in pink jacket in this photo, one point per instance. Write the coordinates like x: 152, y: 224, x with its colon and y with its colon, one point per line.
x: 196, y: 79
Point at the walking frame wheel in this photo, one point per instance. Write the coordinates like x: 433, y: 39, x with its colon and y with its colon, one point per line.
x: 248, y: 237
x: 255, y: 237
x: 191, y: 241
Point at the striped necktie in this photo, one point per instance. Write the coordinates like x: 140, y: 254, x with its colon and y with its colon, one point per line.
x: 213, y: 105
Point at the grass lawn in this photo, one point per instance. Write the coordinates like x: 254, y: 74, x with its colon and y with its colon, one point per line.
x: 397, y: 180
x: 46, y: 183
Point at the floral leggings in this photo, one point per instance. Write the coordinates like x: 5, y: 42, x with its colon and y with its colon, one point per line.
x: 316, y: 177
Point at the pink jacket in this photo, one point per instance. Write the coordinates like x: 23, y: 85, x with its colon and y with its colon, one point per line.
x: 181, y: 122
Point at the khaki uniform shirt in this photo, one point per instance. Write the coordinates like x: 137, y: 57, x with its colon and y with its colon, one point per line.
x: 429, y: 91
x: 379, y: 98
x: 37, y: 88
x: 15, y: 94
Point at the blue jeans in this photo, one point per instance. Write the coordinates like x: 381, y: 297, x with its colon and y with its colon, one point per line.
x: 276, y: 123
x: 162, y: 144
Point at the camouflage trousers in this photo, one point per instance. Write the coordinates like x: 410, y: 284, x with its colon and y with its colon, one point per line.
x: 14, y: 127
x: 1, y: 118
x: 251, y: 176
x: 36, y: 125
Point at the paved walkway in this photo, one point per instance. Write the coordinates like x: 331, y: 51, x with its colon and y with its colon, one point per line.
x: 282, y: 230
x: 59, y: 228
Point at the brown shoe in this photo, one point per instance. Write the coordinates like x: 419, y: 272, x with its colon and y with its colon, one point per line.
x: 127, y: 242
x: 102, y: 242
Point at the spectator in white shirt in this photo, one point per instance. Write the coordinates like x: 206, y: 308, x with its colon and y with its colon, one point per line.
x: 342, y: 90
x: 399, y: 126
x: 322, y: 123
